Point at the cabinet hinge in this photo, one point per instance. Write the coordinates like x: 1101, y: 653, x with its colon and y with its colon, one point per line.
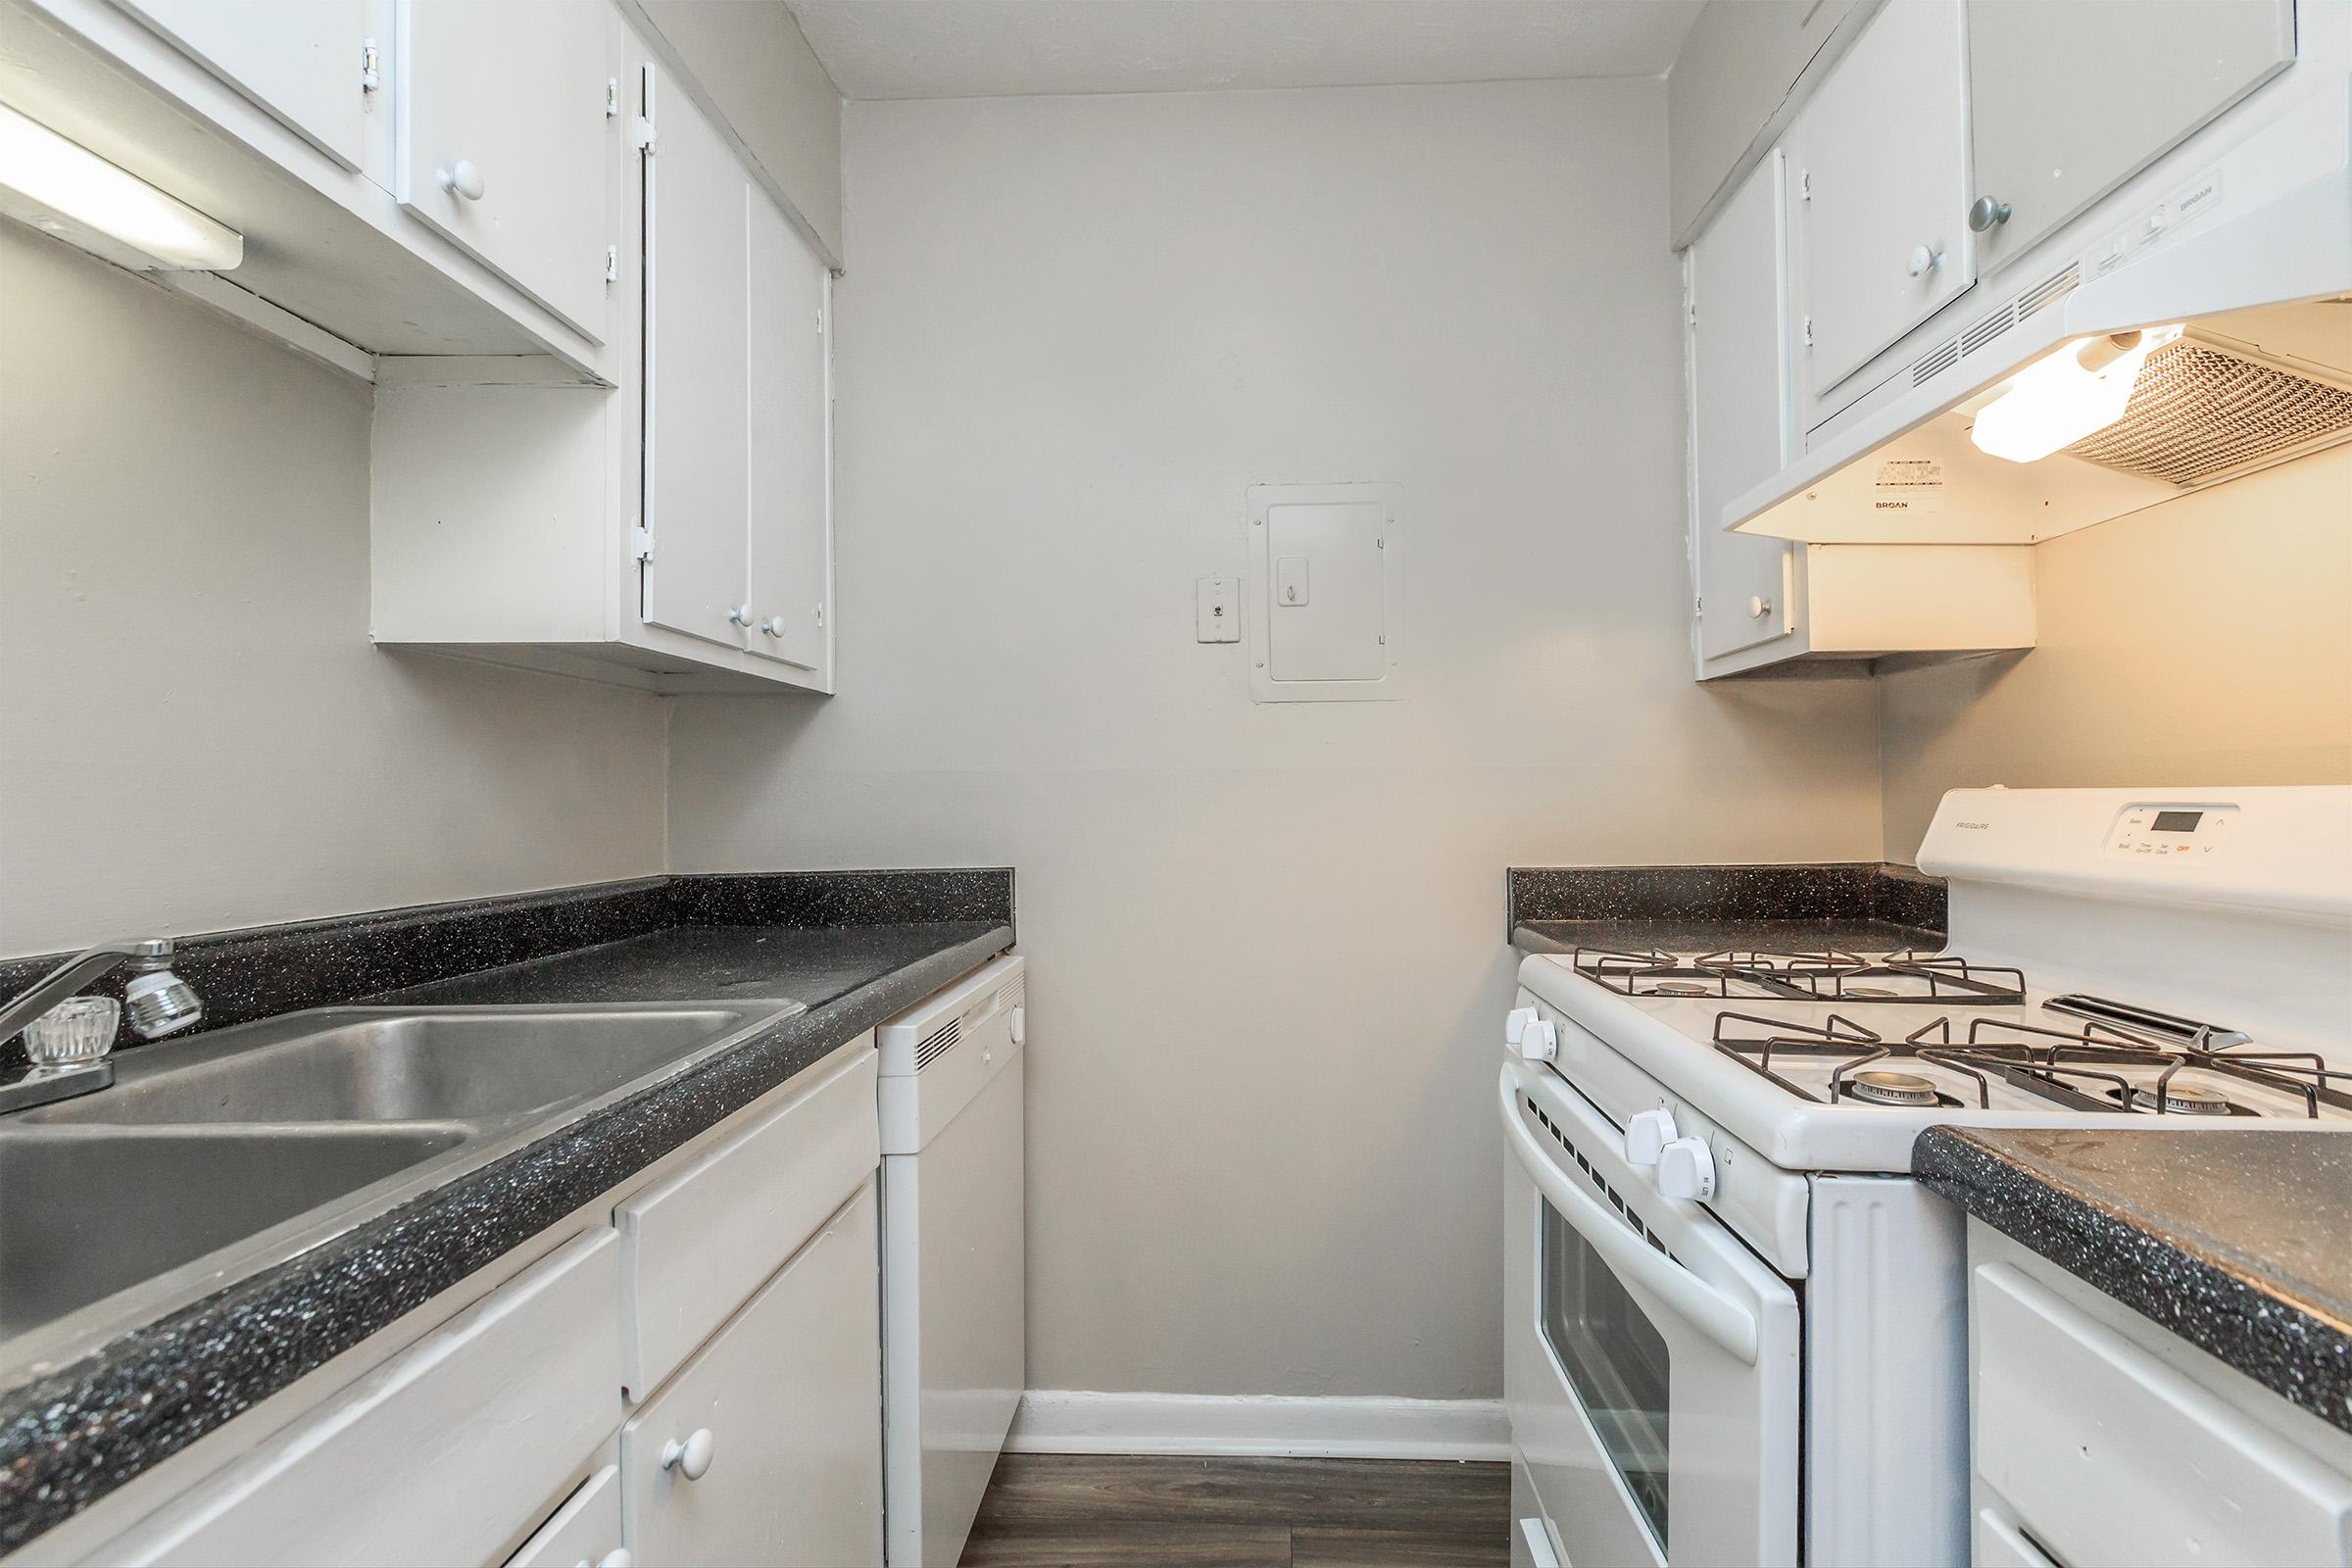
x: 1699, y: 603
x: 820, y: 618
x: 640, y: 136
x: 1808, y: 331
x: 641, y: 543
x: 1804, y: 185
x: 372, y: 65
x: 612, y: 97
x: 611, y: 263
x: 820, y: 320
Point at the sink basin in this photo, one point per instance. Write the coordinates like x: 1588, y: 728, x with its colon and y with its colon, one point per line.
x: 370, y: 1065
x: 215, y: 1156
x: 86, y: 1212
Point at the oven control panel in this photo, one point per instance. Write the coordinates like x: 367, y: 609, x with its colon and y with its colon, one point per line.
x: 2174, y: 831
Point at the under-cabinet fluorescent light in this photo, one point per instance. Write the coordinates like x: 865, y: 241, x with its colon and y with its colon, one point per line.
x: 2057, y: 401
x: 62, y: 188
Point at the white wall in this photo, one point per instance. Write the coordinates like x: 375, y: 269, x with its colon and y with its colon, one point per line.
x: 2203, y: 642
x: 194, y: 730
x: 1268, y: 946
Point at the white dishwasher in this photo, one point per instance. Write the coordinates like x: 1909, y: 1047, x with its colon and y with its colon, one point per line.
x: 954, y: 1354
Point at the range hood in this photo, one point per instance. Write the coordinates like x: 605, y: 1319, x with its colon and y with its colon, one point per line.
x: 2212, y: 358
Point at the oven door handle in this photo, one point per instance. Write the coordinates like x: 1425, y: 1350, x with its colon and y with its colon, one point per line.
x: 1720, y: 1318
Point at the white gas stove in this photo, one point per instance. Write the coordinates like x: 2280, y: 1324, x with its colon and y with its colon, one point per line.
x: 2117, y: 959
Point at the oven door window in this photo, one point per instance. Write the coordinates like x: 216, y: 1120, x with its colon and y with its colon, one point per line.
x: 1615, y: 1360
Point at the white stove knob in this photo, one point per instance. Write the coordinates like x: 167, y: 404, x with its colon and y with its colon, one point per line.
x: 1539, y: 1040
x: 1515, y: 1022
x: 1687, y: 1170
x: 1647, y: 1133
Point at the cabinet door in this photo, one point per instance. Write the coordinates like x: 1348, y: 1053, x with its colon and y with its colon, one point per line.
x: 790, y: 525
x: 1741, y: 430
x: 510, y: 123
x: 585, y: 1530
x: 299, y: 58
x: 696, y: 325
x: 2069, y: 98
x: 1882, y: 190
x: 767, y: 1447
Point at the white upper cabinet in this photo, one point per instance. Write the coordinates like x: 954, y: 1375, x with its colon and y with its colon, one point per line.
x: 308, y: 62
x: 790, y: 532
x: 511, y: 126
x: 697, y: 476
x: 1739, y: 410
x: 736, y: 456
x: 2073, y: 97
x: 1880, y: 163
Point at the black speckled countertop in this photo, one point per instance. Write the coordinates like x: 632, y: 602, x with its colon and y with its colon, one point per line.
x: 2237, y: 1241
x: 71, y: 1436
x: 1859, y: 908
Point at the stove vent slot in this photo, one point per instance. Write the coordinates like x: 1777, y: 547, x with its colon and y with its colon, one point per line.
x: 2200, y: 413
x: 1625, y: 1210
x: 1975, y: 337
x: 1013, y: 992
x: 1934, y: 362
x: 2056, y: 287
x: 937, y: 1043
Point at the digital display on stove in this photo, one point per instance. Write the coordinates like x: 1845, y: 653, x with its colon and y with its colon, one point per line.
x: 2177, y: 821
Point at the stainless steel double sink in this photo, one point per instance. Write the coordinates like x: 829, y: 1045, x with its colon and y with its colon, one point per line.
x: 214, y: 1157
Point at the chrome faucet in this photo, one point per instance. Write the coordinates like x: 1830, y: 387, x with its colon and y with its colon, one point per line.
x: 157, y: 1001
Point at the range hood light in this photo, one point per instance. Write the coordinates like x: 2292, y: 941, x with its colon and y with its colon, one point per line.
x: 62, y: 188
x: 2056, y: 401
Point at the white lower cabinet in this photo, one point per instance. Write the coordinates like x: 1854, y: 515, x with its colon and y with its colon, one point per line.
x: 436, y: 1456
x: 767, y: 1447
x: 585, y: 1530
x: 2100, y: 1439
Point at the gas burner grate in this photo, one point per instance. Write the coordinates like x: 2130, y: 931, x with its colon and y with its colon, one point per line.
x: 2079, y: 1069
x: 1757, y: 974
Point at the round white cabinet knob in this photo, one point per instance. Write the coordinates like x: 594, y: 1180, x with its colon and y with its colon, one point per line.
x: 774, y: 625
x: 1758, y: 607
x: 617, y: 1557
x: 1687, y: 1170
x: 692, y: 1457
x: 1647, y: 1134
x: 1925, y: 259
x: 740, y: 615
x: 462, y: 178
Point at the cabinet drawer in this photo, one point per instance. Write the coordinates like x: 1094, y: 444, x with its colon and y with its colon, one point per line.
x: 585, y: 1530
x: 768, y: 1448
x: 696, y: 1244
x: 437, y: 1455
x: 2109, y: 1456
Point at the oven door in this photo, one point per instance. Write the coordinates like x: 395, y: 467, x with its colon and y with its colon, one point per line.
x: 1652, y: 1360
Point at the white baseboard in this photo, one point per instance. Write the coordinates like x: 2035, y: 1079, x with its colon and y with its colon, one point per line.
x: 1071, y: 1421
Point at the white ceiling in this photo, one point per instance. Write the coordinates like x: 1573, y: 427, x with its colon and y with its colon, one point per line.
x: 1004, y: 48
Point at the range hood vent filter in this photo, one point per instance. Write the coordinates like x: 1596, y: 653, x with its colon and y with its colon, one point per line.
x: 2200, y: 413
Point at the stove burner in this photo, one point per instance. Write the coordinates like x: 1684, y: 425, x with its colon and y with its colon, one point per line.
x: 2187, y: 1099
x: 1679, y: 988
x: 1880, y: 1086
x: 1872, y: 992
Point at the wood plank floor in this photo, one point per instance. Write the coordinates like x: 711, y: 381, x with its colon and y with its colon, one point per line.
x: 1056, y: 1511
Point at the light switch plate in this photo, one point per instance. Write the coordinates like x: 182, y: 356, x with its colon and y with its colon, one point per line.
x: 1339, y: 642
x: 1218, y: 608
